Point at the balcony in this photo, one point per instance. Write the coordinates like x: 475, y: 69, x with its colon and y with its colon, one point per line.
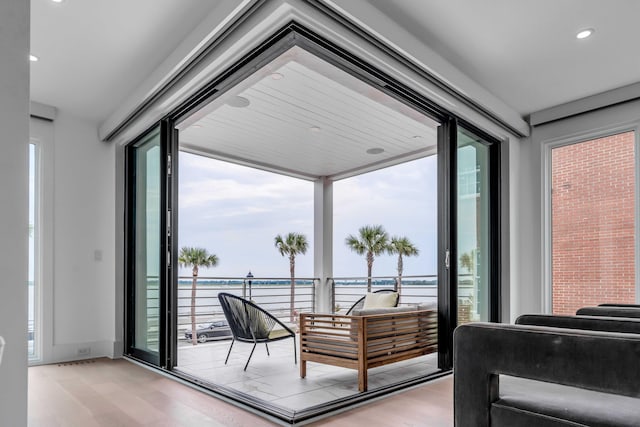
x: 275, y: 380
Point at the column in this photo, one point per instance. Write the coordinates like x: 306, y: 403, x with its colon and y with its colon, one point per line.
x: 323, y: 242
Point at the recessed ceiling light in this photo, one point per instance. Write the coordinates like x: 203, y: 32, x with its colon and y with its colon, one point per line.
x: 57, y: 1
x: 583, y: 34
x: 196, y: 126
x: 238, y: 102
x: 375, y: 150
x: 276, y: 76
x: 33, y: 58
x: 314, y: 129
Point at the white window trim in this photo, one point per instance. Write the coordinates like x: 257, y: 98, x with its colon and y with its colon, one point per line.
x: 42, y: 135
x: 37, y: 253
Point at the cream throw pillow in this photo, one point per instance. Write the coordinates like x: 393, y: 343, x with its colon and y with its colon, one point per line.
x: 380, y: 300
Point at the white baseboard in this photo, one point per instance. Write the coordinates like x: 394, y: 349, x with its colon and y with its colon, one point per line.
x: 70, y: 352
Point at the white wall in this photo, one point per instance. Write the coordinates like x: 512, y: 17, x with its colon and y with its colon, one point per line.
x: 83, y: 298
x: 14, y: 138
x: 528, y: 287
x: 77, y: 232
x: 524, y: 174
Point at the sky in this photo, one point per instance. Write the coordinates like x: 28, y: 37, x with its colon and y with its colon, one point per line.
x: 235, y: 212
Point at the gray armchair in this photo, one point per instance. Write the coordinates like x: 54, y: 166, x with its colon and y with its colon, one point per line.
x: 522, y: 375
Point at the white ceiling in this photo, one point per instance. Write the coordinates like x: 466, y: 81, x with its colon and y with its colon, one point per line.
x: 93, y: 53
x: 525, y: 51
x: 313, y: 120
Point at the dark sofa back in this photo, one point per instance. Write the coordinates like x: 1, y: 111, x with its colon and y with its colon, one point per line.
x: 610, y: 311
x: 592, y: 323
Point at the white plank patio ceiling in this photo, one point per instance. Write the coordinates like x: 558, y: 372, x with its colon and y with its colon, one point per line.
x: 315, y: 121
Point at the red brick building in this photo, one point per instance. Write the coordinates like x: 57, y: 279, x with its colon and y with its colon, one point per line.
x: 593, y: 223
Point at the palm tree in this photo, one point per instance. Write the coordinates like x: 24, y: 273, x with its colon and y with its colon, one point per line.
x: 291, y: 245
x: 467, y: 261
x: 372, y: 241
x: 403, y: 247
x: 195, y: 258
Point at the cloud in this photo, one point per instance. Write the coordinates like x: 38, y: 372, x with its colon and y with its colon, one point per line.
x: 236, y: 212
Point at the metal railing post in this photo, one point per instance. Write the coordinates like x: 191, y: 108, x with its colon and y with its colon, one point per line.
x: 333, y: 294
x: 316, y: 283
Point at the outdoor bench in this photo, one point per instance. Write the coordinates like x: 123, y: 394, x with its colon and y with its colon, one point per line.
x: 367, y: 339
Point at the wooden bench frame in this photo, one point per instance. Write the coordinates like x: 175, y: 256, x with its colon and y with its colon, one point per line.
x: 363, y: 342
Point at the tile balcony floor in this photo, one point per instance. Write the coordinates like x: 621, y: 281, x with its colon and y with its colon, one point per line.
x: 276, y: 378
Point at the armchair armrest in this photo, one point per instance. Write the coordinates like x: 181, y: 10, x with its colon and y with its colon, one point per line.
x: 599, y: 361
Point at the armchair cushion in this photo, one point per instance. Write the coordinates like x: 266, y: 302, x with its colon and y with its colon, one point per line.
x: 277, y: 333
x: 380, y: 300
x: 562, y: 403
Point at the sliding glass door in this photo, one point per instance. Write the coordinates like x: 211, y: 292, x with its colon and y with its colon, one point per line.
x: 474, y: 226
x: 469, y: 232
x: 262, y: 123
x: 147, y: 248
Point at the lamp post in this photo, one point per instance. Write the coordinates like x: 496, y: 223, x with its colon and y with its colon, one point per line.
x: 249, y: 277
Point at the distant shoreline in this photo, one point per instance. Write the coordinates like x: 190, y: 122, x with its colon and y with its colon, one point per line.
x: 387, y: 282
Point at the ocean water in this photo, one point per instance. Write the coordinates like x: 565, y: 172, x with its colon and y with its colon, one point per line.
x: 272, y: 298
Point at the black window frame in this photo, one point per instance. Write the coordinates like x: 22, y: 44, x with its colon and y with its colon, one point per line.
x: 294, y: 34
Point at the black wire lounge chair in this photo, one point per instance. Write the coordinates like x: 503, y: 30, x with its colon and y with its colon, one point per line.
x: 251, y: 324
x: 360, y: 303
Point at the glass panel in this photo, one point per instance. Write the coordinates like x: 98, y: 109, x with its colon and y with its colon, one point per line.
x: 473, y: 228
x: 33, y: 333
x: 147, y: 208
x: 593, y: 223
x: 359, y: 150
x: 237, y: 219
x: 402, y: 200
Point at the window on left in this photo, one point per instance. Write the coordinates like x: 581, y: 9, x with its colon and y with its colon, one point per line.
x: 33, y: 333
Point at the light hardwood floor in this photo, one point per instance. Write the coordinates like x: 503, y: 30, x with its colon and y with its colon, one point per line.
x: 115, y: 393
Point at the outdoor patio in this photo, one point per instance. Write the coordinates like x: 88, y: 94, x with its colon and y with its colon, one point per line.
x: 276, y: 378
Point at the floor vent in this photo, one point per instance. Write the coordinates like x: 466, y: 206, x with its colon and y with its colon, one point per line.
x: 79, y: 362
